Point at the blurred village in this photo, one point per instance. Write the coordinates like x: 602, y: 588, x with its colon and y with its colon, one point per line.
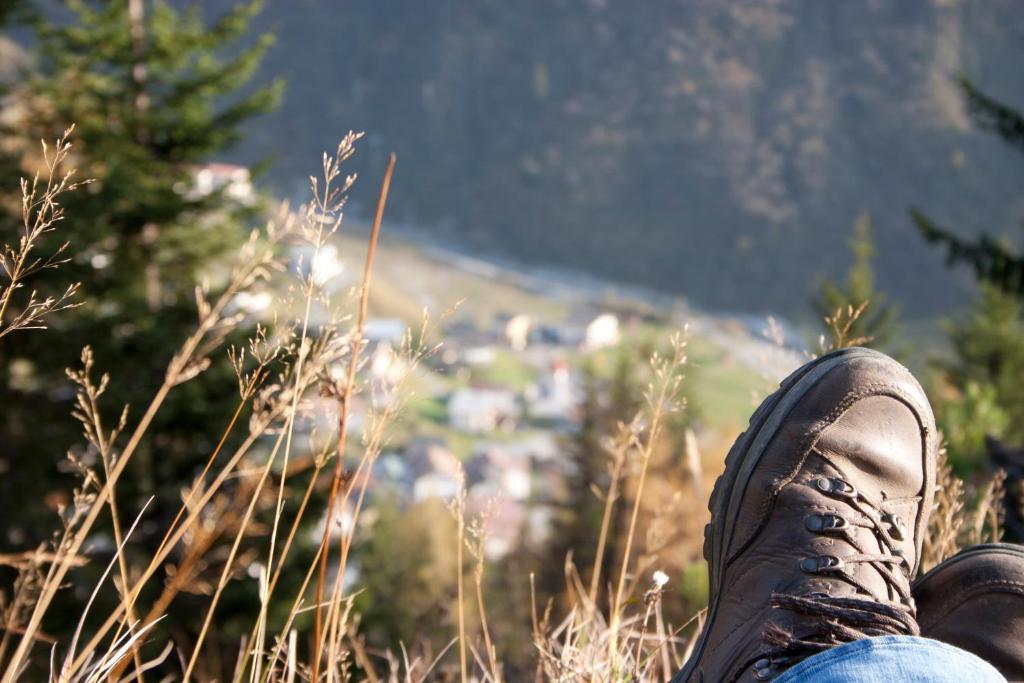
x: 497, y: 402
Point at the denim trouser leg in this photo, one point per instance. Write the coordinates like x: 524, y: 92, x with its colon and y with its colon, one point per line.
x: 892, y: 659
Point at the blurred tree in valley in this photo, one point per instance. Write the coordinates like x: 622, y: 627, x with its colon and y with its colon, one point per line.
x: 986, y: 374
x: 407, y: 573
x: 612, y: 394
x: 877, y: 323
x: 604, y: 452
x: 154, y: 93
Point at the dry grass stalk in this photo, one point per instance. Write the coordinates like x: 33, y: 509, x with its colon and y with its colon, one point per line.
x: 662, y: 398
x: 652, y: 598
x: 344, y: 406
x: 246, y: 385
x: 41, y: 211
x: 586, y: 645
x: 121, y: 645
x: 947, y: 516
x: 477, y: 543
x: 323, y: 217
x: 374, y: 440
x: 270, y: 404
x: 954, y: 524
x: 471, y: 534
x: 337, y: 632
x: 840, y: 325
x: 987, y: 519
x: 618, y: 449
x: 459, y: 509
x: 255, y: 263
x: 88, y: 414
x: 316, y: 356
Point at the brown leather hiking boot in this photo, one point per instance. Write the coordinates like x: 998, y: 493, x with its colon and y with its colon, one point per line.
x: 975, y: 601
x: 817, y: 521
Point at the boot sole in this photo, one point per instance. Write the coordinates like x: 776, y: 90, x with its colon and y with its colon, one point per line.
x: 740, y: 463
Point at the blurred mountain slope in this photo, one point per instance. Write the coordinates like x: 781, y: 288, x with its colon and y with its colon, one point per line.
x: 717, y: 150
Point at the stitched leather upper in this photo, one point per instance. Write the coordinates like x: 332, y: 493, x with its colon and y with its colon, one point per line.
x: 836, y: 505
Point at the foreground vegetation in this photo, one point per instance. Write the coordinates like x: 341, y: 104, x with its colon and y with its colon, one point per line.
x: 240, y: 519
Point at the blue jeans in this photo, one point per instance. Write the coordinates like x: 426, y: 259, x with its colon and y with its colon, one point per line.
x: 892, y: 659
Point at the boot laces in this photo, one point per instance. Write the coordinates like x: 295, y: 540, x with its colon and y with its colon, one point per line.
x: 836, y: 620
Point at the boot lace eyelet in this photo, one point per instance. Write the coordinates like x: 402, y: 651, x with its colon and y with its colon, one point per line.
x: 826, y: 523
x: 896, y: 528
x: 821, y: 563
x: 764, y: 669
x: 836, y: 487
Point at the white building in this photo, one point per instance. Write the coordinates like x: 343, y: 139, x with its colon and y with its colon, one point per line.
x: 497, y: 471
x: 479, y: 355
x: 436, y: 471
x: 386, y: 366
x: 504, y: 528
x: 326, y: 265
x: 233, y: 180
x: 603, y: 331
x: 482, y: 410
x: 435, y: 485
x: 517, y: 331
x: 390, y: 330
x: 553, y: 397
x: 253, y: 303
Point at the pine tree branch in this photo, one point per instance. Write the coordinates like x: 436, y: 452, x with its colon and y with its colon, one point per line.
x: 991, y: 114
x: 991, y: 261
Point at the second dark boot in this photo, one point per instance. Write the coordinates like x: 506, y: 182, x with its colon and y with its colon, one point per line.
x: 975, y: 601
